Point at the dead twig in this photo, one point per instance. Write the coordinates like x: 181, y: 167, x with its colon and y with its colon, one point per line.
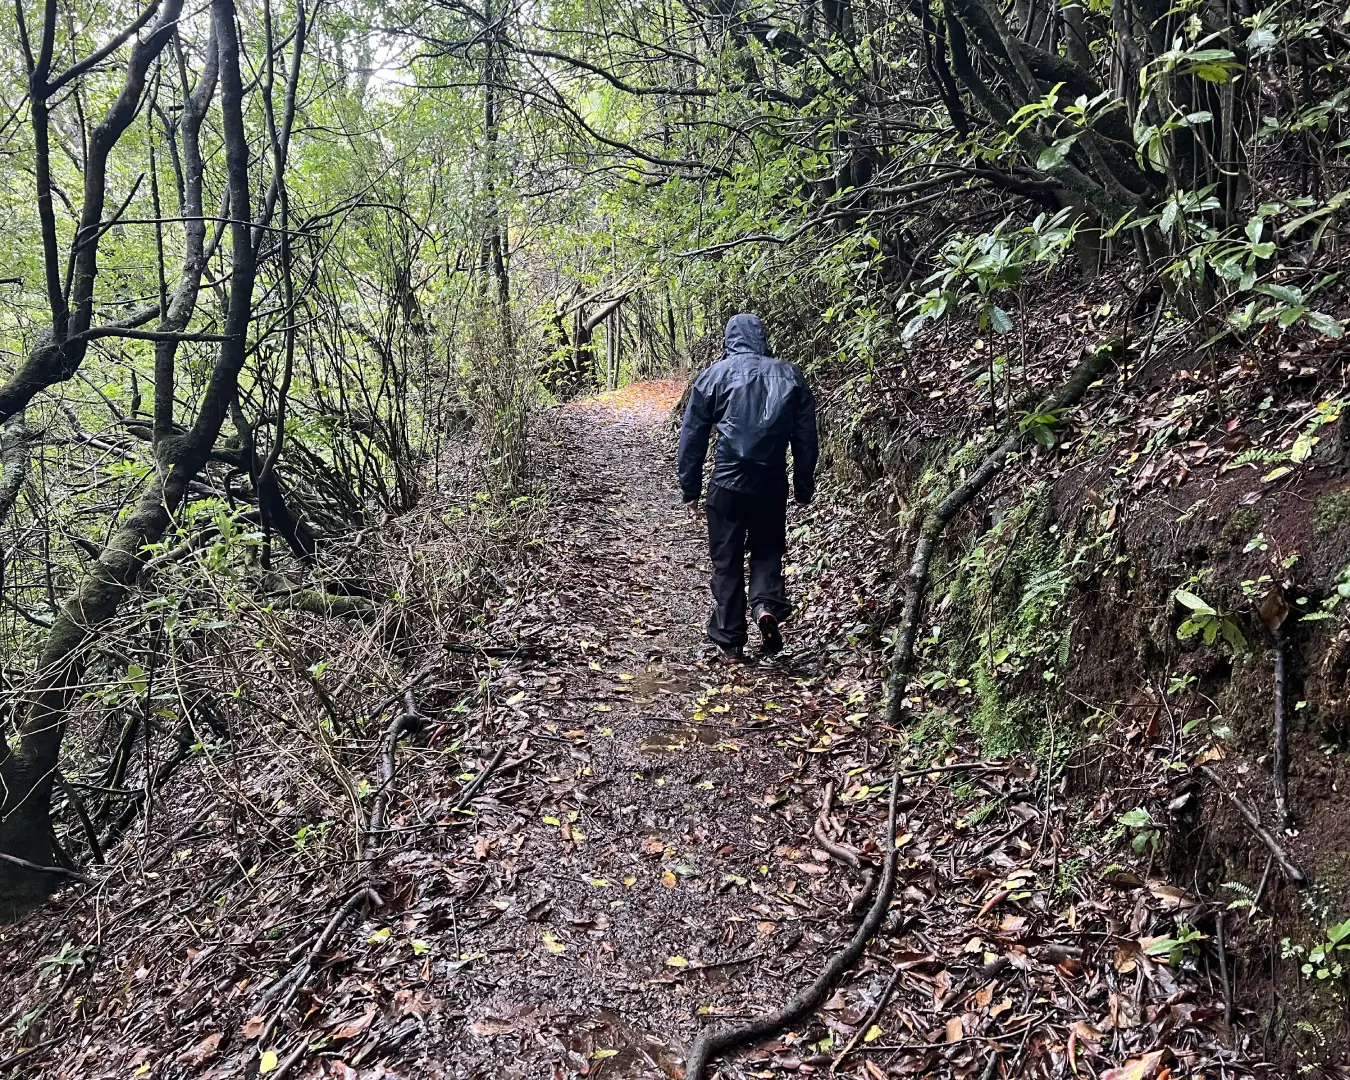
x: 23, y: 1055
x: 1280, y: 766
x: 1294, y: 875
x: 713, y: 1043
x: 297, y: 981
x: 872, y: 1017
x: 59, y: 871
x: 1223, y: 969
x: 471, y: 792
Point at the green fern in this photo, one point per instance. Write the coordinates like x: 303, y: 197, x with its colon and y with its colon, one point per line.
x: 1257, y: 455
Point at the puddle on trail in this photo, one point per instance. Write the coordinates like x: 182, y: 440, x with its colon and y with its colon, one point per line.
x: 669, y: 740
x: 658, y: 679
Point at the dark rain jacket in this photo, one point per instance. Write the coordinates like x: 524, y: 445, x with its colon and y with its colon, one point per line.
x: 759, y: 406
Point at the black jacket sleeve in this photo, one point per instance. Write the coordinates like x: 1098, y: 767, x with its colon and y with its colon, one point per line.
x: 805, y: 447
x: 694, y: 435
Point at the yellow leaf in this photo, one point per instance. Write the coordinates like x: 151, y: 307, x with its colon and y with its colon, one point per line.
x: 676, y: 962
x: 873, y: 1034
x: 604, y: 708
x: 600, y: 1055
x: 668, y: 880
x: 378, y: 936
x: 551, y: 943
x: 549, y: 819
x: 268, y: 1061
x: 630, y: 881
x: 600, y: 883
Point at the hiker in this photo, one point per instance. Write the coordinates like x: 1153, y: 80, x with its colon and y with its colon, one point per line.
x: 758, y: 405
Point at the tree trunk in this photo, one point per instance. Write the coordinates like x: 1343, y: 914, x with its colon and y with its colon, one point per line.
x: 28, y: 772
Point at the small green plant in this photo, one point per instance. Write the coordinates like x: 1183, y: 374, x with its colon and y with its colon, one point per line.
x: 1041, y: 425
x: 1246, y: 895
x: 1327, y: 959
x: 1326, y: 609
x: 1176, y: 949
x: 1147, y: 835
x: 1206, y: 622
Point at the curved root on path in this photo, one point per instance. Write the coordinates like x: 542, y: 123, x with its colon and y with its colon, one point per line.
x: 713, y: 1043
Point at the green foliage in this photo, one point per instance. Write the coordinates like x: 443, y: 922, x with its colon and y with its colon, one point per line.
x: 1186, y: 943
x: 1325, y: 958
x: 1005, y: 628
x: 1146, y: 834
x: 1207, y: 623
x: 977, y: 268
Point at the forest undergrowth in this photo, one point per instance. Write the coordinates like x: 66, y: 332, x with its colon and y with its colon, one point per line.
x: 563, y: 839
x: 335, y: 345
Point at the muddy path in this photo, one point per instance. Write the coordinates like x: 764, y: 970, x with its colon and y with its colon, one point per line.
x: 663, y: 868
x: 609, y: 838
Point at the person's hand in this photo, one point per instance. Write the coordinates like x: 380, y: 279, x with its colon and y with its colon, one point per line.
x: 692, y: 507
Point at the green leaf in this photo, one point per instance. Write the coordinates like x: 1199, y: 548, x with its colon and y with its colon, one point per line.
x: 1284, y: 293
x: 1260, y: 40
x: 1212, y: 73
x: 1233, y: 635
x: 1000, y: 320
x: 1136, y: 818
x: 1188, y: 599
x: 1325, y: 324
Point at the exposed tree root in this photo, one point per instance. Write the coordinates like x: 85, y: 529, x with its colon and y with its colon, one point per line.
x: 936, y: 521
x: 714, y: 1043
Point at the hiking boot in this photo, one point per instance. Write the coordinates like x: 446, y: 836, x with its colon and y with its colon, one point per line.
x: 771, y: 636
x: 734, y: 654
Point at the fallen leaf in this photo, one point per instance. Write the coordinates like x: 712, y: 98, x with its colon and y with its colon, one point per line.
x: 197, y: 1054
x: 492, y: 1025
x: 1140, y: 1068
x: 551, y: 943
x: 357, y: 1026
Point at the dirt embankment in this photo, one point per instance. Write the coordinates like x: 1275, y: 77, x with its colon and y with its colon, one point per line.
x: 1122, y: 597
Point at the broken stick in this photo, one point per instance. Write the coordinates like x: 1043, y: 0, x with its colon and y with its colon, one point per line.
x: 1294, y: 875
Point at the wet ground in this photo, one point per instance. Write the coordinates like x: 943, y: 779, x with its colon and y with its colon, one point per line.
x: 666, y: 842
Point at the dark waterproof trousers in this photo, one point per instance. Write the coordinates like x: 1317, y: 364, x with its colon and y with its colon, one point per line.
x: 739, y: 522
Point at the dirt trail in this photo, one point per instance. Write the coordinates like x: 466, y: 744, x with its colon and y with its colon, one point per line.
x: 670, y: 799
x: 662, y: 873
x: 645, y: 860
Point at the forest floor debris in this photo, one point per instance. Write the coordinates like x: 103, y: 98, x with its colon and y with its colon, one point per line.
x: 642, y: 858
